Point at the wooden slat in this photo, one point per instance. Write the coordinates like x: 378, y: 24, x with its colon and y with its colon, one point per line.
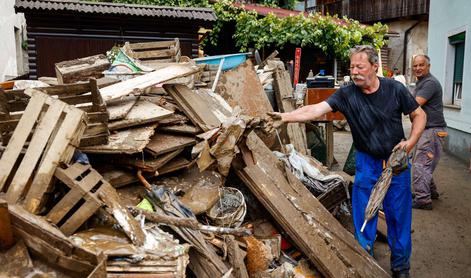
x: 35, y: 150
x: 21, y: 133
x: 124, y: 88
x: 77, y: 192
x: 152, y: 45
x: 162, y: 53
x: 80, y: 216
x: 40, y: 185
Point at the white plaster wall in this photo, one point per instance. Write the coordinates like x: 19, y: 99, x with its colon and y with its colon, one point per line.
x: 8, y: 46
x: 417, y: 43
x: 447, y: 18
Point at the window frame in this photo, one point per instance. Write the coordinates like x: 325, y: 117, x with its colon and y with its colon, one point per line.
x: 449, y: 89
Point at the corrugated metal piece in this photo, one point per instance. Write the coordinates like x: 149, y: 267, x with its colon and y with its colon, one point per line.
x: 204, y: 14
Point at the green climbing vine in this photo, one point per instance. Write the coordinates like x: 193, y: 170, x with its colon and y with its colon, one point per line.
x: 332, y: 35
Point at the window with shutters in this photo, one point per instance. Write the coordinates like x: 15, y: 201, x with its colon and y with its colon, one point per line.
x: 457, y: 42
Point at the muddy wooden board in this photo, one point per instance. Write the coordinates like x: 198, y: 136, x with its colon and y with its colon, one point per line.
x: 119, y: 108
x: 81, y: 69
x: 174, y: 119
x: 127, y: 141
x: 142, y: 82
x: 286, y: 103
x: 51, y: 244
x: 162, y: 143
x: 150, y: 164
x: 143, y: 112
x: 195, y: 106
x: 119, y: 177
x: 56, y: 133
x: 183, y: 129
x: 241, y: 87
x: 331, y: 248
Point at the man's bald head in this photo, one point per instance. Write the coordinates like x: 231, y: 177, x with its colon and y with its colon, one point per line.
x: 421, y: 65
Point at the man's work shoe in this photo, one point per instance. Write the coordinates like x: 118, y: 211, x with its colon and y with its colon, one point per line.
x: 425, y: 206
x: 434, y: 195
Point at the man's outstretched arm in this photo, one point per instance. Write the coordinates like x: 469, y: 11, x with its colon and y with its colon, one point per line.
x: 304, y: 114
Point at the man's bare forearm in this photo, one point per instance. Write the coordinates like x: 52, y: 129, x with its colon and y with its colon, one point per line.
x: 306, y: 113
x: 419, y: 118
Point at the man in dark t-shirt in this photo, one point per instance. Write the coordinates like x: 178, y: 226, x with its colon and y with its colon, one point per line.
x: 428, y: 93
x: 373, y: 107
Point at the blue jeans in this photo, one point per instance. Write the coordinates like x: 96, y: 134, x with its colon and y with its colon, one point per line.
x: 397, y: 206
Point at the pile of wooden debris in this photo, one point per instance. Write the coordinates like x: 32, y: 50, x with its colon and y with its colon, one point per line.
x: 157, y: 175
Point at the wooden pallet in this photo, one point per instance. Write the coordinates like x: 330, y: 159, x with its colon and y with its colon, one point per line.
x: 82, y: 95
x: 152, y: 53
x: 88, y: 192
x: 56, y: 130
x: 81, y: 201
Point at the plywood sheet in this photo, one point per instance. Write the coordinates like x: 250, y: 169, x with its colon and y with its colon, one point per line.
x: 162, y: 143
x: 142, y: 112
x: 127, y: 141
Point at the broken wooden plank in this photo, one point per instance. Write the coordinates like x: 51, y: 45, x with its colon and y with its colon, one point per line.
x: 119, y: 108
x: 81, y: 69
x: 142, y: 82
x: 311, y: 227
x: 127, y: 141
x: 162, y: 143
x: 183, y: 129
x: 194, y: 106
x: 50, y: 243
x: 241, y: 87
x: 143, y: 112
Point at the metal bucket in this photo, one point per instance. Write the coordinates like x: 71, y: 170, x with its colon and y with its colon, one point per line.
x: 230, y: 209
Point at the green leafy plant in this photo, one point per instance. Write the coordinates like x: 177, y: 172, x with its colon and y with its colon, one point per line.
x: 332, y: 35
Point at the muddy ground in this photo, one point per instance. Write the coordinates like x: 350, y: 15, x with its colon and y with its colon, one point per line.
x: 441, y: 238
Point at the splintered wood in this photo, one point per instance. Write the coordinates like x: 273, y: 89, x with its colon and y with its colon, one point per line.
x: 311, y: 227
x: 241, y: 87
x: 286, y: 103
x: 57, y: 128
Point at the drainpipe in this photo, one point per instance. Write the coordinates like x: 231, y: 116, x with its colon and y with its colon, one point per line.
x: 404, y: 61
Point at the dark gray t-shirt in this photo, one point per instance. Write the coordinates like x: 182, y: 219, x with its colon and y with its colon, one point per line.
x: 375, y: 119
x: 429, y: 88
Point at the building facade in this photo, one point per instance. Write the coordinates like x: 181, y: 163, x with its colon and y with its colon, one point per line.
x: 13, y: 57
x: 449, y: 49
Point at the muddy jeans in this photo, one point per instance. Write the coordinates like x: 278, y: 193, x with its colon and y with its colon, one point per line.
x: 427, y: 155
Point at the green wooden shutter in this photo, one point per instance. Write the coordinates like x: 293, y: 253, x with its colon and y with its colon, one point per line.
x: 459, y: 62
